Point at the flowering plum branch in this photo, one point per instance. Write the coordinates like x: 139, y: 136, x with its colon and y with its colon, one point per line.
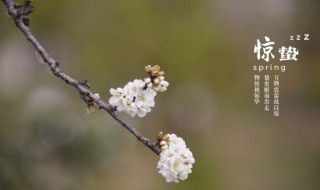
x: 135, y: 98
x: 85, y: 94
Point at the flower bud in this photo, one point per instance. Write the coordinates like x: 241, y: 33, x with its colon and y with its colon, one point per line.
x: 161, y: 78
x: 148, y: 68
x: 156, y: 81
x: 164, y: 147
x: 163, y: 143
x: 156, y: 88
x: 147, y: 80
x: 164, y: 83
x: 166, y: 137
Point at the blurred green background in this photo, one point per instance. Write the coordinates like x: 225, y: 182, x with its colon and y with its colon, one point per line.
x: 47, y: 141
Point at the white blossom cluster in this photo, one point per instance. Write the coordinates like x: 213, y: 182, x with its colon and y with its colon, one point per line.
x: 133, y: 98
x: 137, y: 97
x: 176, y: 159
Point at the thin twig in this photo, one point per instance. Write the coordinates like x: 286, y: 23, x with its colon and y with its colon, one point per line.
x: 79, y: 85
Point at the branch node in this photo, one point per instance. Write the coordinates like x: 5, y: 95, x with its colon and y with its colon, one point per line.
x: 85, y: 98
x: 20, y: 11
x: 113, y: 108
x: 25, y: 9
x: 26, y: 21
x: 17, y: 5
x: 56, y: 64
x: 55, y: 72
x: 84, y: 83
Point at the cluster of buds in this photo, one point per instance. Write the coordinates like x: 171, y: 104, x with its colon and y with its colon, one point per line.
x: 91, y: 105
x: 23, y: 10
x: 162, y: 140
x: 155, y: 80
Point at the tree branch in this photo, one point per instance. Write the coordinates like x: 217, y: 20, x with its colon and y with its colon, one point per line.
x: 79, y: 85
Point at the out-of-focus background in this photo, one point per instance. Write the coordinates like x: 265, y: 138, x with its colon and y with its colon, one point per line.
x: 47, y: 141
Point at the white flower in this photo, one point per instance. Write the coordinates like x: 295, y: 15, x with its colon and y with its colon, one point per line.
x: 176, y: 159
x: 145, y: 101
x: 134, y: 98
x: 163, y: 85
